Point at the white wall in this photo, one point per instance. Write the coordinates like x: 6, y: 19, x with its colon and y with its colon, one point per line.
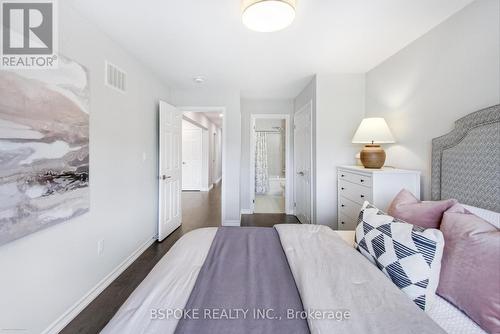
x: 44, y: 274
x: 249, y: 107
x: 448, y: 73
x: 339, y: 110
x: 229, y: 98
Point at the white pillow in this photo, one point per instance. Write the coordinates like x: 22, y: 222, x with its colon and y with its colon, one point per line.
x: 409, y: 255
x: 491, y: 217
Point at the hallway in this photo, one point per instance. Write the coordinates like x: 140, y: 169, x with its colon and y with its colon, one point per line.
x: 201, y: 209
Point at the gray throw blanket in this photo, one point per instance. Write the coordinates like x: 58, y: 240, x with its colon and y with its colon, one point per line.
x: 244, y: 286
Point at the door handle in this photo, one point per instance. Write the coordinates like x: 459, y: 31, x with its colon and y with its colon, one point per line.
x: 164, y: 177
x: 300, y: 173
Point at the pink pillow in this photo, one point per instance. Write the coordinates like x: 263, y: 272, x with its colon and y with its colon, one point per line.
x: 427, y: 214
x: 470, y: 268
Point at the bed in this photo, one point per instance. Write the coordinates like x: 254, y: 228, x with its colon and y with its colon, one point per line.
x: 309, y: 278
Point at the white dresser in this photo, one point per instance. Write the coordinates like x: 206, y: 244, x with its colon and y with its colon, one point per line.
x: 357, y: 184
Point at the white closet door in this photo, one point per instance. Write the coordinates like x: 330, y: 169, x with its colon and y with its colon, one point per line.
x: 192, y: 163
x: 303, y: 164
x: 170, y: 136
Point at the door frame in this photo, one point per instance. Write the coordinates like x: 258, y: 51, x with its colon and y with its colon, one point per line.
x: 221, y: 110
x: 308, y: 105
x: 289, y: 167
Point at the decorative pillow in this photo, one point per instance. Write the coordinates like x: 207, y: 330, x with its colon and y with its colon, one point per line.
x: 428, y: 214
x: 409, y: 255
x: 470, y: 270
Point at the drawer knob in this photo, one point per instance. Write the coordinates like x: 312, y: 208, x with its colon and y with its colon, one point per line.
x: 342, y: 188
x: 342, y: 205
x: 342, y: 175
x: 362, y: 180
x: 362, y: 196
x: 342, y: 223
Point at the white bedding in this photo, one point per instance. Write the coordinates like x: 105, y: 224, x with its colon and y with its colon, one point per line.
x: 491, y: 217
x: 169, y: 285
x: 330, y: 276
x: 451, y: 319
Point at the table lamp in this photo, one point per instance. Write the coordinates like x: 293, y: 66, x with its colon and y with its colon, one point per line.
x: 373, y: 132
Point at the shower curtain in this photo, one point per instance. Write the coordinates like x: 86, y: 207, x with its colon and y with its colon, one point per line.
x: 261, y: 172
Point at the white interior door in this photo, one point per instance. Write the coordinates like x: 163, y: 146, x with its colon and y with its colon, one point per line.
x: 213, y: 152
x: 192, y: 153
x: 170, y: 128
x: 302, y: 164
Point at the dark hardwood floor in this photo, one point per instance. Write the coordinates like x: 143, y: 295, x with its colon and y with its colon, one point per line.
x: 200, y: 209
x: 267, y: 219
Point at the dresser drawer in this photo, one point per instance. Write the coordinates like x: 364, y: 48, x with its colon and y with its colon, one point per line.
x: 348, y: 207
x: 347, y: 223
x: 362, y: 180
x: 355, y: 192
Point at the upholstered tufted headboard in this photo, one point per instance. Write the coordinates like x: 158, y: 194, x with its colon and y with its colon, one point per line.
x: 466, y: 161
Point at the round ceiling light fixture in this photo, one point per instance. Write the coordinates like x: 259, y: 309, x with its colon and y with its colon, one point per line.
x: 268, y: 15
x: 199, y: 79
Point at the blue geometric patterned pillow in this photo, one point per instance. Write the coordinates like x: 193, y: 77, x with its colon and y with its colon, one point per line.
x: 409, y: 255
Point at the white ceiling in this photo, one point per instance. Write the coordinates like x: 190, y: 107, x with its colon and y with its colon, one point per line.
x: 186, y: 38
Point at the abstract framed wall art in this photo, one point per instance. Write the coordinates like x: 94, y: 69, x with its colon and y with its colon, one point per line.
x: 44, y: 148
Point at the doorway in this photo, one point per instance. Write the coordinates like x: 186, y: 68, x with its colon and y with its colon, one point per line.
x: 270, y: 162
x: 204, y: 129
x: 202, y: 155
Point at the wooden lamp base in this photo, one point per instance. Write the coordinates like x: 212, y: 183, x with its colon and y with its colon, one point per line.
x: 372, y: 156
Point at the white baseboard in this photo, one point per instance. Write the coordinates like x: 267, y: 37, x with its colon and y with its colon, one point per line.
x: 74, y: 310
x: 246, y: 212
x: 231, y: 223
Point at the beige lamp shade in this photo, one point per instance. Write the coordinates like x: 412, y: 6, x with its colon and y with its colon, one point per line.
x: 373, y: 131
x: 267, y: 15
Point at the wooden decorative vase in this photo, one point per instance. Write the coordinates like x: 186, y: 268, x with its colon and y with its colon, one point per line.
x: 372, y: 156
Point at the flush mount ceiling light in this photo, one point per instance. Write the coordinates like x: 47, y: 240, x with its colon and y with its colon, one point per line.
x: 268, y: 15
x: 199, y: 79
